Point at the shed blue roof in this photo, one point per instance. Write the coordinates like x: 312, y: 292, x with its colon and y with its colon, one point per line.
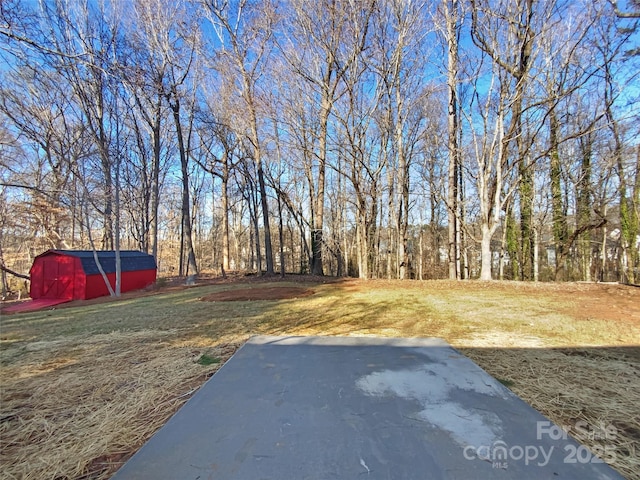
x: 130, y: 260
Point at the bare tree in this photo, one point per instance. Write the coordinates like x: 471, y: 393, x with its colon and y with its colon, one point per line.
x: 221, y: 145
x: 91, y: 34
x: 505, y: 31
x: 245, y: 30
x: 563, y: 75
x: 175, y: 41
x: 150, y: 32
x: 38, y: 109
x: 360, y: 165
x: 493, y: 173
x: 322, y: 41
x: 398, y: 40
x: 610, y: 42
x: 452, y: 17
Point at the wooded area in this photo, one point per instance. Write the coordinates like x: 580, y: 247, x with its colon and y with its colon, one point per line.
x: 374, y: 138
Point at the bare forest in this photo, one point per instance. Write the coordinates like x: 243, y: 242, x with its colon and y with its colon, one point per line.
x: 401, y: 139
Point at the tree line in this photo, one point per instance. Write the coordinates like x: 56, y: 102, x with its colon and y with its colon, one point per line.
x: 372, y: 138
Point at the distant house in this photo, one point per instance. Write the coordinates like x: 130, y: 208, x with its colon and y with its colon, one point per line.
x: 74, y: 274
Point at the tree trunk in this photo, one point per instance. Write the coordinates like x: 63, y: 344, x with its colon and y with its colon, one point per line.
x: 485, y: 253
x: 318, y: 211
x: 224, y: 205
x: 503, y: 251
x: 391, y: 216
x: 634, y: 208
x: 536, y: 255
x: 155, y: 180
x: 451, y: 12
x: 403, y: 214
x: 192, y: 267
x: 361, y: 228
x: 281, y: 237
x: 559, y: 219
x: 257, y: 158
x: 583, y: 209
x: 512, y: 242
x: 421, y: 253
x: 526, y: 218
x: 3, y: 272
x: 603, y: 249
x: 268, y: 249
x: 255, y: 246
x: 118, y: 286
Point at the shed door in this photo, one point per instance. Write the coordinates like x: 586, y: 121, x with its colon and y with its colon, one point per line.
x: 57, y: 277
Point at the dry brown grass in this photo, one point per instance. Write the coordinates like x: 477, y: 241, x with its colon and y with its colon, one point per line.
x: 84, y: 387
x: 79, y: 410
x: 593, y: 393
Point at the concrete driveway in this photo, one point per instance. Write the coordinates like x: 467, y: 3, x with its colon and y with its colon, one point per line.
x: 358, y: 408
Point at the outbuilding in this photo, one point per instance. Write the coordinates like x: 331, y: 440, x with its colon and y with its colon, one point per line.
x: 74, y: 274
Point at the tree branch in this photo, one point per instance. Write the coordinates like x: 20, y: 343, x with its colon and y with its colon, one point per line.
x: 621, y: 14
x: 15, y: 274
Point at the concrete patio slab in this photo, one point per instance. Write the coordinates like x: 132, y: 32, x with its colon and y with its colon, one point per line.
x: 358, y: 408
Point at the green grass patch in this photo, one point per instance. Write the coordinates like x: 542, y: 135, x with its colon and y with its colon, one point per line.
x: 506, y: 382
x: 207, y: 360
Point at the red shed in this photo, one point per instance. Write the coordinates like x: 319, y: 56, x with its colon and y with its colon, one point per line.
x: 74, y: 275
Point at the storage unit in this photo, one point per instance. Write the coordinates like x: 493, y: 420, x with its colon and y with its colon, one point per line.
x: 74, y: 274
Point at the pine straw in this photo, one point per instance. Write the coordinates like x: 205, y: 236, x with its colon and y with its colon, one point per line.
x: 84, y: 418
x: 599, y: 387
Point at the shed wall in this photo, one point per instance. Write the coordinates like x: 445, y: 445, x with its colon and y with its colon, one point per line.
x: 95, y: 286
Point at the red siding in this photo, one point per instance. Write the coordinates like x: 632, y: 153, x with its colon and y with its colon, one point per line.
x: 95, y: 286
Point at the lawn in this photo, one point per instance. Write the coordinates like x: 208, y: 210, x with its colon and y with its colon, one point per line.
x: 84, y: 386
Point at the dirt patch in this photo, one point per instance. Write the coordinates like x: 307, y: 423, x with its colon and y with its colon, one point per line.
x: 264, y: 293
x: 619, y: 303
